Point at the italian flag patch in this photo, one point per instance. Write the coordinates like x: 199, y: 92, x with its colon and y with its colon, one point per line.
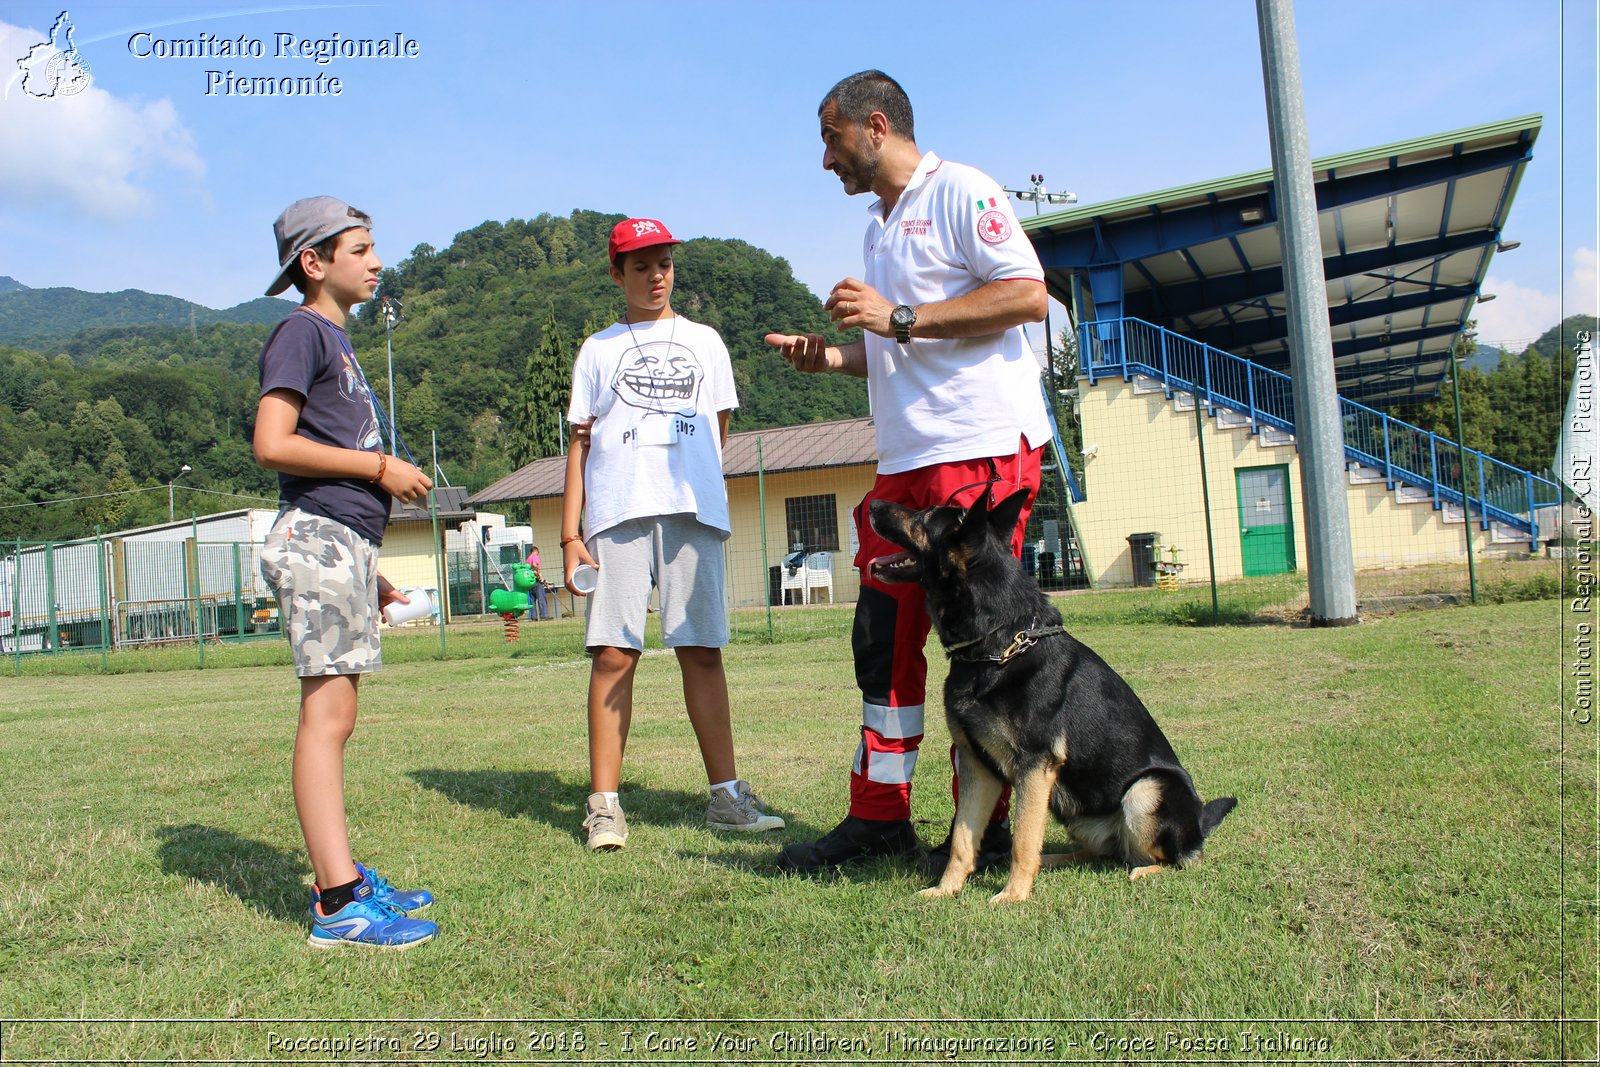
x: 982, y: 203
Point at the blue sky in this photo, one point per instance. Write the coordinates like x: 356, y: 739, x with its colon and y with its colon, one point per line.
x: 702, y: 114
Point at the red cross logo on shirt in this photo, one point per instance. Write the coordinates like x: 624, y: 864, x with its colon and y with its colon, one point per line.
x: 994, y: 227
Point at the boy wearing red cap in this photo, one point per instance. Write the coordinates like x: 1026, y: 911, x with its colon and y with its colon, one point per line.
x: 653, y: 391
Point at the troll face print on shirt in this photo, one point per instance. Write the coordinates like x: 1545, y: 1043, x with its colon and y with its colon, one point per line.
x: 660, y: 378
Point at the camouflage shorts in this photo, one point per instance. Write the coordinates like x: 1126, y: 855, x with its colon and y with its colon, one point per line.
x: 325, y: 576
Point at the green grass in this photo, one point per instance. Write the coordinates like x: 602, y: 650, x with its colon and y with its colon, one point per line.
x: 1412, y: 843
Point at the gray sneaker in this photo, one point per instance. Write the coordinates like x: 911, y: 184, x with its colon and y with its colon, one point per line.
x: 608, y: 830
x: 742, y: 812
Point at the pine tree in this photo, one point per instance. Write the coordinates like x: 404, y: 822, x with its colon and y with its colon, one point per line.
x: 549, y: 380
x: 535, y: 429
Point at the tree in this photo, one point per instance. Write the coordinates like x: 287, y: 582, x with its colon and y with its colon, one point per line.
x: 420, y: 406
x: 536, y: 429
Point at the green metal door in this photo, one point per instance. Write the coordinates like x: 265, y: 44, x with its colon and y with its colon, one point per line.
x: 1266, y: 522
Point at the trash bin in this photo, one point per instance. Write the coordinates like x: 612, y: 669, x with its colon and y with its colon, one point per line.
x: 1142, y: 547
x: 1047, y: 570
x: 1030, y: 559
x: 774, y: 586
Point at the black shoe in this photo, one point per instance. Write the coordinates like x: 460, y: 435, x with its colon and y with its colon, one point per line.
x: 994, y: 851
x: 851, y: 841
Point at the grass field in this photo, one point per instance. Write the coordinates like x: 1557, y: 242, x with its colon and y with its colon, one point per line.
x: 1409, y: 874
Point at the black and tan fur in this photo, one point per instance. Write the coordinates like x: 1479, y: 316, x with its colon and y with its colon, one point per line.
x: 1053, y: 720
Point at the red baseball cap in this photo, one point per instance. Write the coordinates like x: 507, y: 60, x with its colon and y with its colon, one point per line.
x: 630, y: 234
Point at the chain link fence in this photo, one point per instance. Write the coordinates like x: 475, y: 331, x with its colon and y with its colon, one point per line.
x: 1179, y: 492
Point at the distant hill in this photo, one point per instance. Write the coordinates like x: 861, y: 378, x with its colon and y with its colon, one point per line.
x: 1563, y: 336
x: 30, y: 317
x: 1485, y: 358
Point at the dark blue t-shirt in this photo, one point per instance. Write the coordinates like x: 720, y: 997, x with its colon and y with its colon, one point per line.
x: 307, y: 354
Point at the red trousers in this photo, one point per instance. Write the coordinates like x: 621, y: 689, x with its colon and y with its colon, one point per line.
x: 892, y: 624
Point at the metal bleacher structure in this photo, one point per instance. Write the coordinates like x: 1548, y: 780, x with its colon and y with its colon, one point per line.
x: 1418, y: 466
x: 1182, y: 290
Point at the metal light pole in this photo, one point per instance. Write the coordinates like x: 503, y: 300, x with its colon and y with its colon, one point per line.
x: 1038, y: 196
x: 1319, y: 435
x: 185, y: 469
x: 391, y: 315
x: 1461, y: 454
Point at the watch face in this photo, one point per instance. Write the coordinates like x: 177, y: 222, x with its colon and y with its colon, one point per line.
x: 902, y: 316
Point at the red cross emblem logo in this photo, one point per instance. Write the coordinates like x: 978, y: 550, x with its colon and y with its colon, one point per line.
x: 993, y: 226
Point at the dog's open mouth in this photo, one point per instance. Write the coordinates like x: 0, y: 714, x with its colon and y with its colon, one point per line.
x: 900, y: 567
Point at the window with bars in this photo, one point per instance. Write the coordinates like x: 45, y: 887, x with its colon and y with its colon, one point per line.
x: 813, y: 522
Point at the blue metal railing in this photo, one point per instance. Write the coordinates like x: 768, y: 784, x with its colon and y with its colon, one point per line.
x: 1401, y: 452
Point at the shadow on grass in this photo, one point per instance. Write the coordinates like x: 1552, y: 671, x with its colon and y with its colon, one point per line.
x: 558, y: 802
x: 265, y: 877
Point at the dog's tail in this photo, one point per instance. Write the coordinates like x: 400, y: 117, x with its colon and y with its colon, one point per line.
x: 1213, y: 813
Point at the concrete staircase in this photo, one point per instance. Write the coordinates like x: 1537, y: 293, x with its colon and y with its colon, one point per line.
x: 1268, y: 436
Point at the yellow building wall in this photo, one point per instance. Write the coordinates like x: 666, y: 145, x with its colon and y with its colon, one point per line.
x: 1144, y: 476
x: 406, y: 558
x: 747, y: 567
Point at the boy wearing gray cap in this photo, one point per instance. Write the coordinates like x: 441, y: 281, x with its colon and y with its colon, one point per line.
x: 317, y: 426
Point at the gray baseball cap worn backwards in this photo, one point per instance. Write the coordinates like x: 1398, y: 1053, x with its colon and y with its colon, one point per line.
x: 306, y: 223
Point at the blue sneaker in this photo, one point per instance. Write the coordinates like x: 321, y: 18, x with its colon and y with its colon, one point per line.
x: 407, y: 900
x: 369, y: 923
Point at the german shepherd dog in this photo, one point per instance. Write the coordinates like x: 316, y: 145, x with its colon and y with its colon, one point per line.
x: 1030, y: 706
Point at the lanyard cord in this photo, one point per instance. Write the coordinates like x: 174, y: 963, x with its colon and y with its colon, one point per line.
x: 343, y: 341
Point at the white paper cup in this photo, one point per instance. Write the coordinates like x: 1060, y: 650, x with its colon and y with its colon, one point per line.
x: 585, y: 578
x: 420, y: 605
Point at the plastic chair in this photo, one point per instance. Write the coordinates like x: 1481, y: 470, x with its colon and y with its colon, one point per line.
x: 794, y: 578
x: 819, y: 574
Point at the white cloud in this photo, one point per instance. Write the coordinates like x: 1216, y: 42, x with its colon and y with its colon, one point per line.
x: 89, y: 152
x: 1583, y: 287
x: 1519, y: 314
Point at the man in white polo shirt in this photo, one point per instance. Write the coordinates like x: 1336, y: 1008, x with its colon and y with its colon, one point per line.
x: 949, y: 281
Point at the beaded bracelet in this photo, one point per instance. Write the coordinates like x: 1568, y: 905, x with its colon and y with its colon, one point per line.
x: 383, y: 465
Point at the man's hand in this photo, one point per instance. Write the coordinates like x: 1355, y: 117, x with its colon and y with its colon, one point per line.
x: 806, y: 353
x: 810, y: 354
x: 855, y: 305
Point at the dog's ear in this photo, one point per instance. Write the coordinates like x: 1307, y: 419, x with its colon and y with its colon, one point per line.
x: 1003, y: 516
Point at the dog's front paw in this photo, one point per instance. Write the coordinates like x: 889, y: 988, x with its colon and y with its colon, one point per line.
x: 1009, y: 895
x: 936, y: 891
x: 1144, y: 872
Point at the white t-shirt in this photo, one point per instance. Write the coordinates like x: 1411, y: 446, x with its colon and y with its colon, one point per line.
x: 939, y: 401
x: 654, y: 391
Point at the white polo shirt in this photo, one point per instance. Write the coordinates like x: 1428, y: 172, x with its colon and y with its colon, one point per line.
x: 939, y: 401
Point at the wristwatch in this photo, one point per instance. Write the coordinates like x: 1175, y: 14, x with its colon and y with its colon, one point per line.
x: 902, y: 318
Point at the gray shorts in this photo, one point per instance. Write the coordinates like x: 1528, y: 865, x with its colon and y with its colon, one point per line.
x: 682, y: 557
x: 325, y: 576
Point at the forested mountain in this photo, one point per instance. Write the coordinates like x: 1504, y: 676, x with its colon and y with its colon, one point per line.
x: 482, y: 355
x: 41, y: 317
x: 1514, y: 411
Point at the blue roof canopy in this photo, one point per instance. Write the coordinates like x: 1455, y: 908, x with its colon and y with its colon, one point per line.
x: 1407, y: 229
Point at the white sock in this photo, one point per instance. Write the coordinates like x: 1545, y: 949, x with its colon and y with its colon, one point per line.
x: 732, y: 788
x: 611, y: 798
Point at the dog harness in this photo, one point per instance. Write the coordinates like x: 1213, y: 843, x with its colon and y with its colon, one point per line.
x: 1022, y: 642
